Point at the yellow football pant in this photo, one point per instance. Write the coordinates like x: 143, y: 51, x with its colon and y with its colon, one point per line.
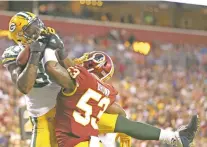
x: 107, y: 123
x: 43, y: 132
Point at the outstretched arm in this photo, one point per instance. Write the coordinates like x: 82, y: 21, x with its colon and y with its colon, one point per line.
x: 60, y: 75
x: 57, y: 63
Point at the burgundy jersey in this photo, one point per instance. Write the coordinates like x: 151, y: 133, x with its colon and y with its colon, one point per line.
x: 78, y: 114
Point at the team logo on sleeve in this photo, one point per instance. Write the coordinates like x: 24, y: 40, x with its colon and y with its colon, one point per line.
x: 12, y: 27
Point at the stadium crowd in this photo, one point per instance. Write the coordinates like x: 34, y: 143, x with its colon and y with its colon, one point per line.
x: 163, y: 88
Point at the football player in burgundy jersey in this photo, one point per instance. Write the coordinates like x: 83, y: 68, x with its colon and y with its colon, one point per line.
x: 78, y: 111
x: 85, y: 97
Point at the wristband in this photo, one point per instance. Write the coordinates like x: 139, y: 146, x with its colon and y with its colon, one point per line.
x: 49, y: 56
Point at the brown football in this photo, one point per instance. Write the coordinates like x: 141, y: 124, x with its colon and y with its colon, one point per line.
x: 23, y: 56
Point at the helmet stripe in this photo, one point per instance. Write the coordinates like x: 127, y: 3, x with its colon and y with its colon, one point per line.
x: 28, y: 14
x: 25, y: 15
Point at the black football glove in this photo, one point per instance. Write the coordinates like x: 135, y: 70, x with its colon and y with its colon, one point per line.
x: 49, y: 36
x: 55, y: 42
x: 38, y: 46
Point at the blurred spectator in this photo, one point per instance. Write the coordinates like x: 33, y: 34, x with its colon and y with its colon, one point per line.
x: 76, y: 9
x: 149, y: 19
x: 3, y: 5
x: 43, y: 9
x: 122, y: 19
x: 130, y: 19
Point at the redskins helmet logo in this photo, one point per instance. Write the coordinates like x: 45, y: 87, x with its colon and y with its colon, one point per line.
x: 98, y: 58
x: 12, y: 27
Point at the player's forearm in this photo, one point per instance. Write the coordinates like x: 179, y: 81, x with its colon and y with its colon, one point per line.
x: 56, y: 72
x: 63, y: 59
x: 60, y: 75
x: 67, y: 62
x: 28, y: 76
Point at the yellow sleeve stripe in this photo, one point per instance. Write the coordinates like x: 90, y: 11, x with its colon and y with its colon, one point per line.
x: 71, y: 93
x: 7, y: 59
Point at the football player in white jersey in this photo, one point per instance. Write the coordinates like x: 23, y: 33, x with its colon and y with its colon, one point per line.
x: 24, y: 28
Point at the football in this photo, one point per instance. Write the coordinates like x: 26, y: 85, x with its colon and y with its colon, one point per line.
x: 23, y: 56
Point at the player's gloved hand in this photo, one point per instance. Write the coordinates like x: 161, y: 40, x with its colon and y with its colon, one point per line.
x: 55, y: 42
x: 43, y: 39
x: 125, y: 140
x: 37, y: 46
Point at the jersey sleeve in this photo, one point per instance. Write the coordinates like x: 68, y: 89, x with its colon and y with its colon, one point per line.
x: 82, y: 77
x: 10, y: 54
x: 80, y: 74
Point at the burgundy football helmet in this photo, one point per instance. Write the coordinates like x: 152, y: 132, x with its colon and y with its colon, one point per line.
x: 98, y: 63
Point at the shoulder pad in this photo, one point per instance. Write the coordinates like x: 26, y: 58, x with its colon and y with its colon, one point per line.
x: 10, y: 54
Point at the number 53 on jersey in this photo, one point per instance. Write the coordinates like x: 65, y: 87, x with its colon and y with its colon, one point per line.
x: 84, y: 106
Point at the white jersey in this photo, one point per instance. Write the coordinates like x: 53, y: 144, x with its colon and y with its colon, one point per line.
x: 42, y: 96
x: 108, y: 140
x: 41, y: 100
